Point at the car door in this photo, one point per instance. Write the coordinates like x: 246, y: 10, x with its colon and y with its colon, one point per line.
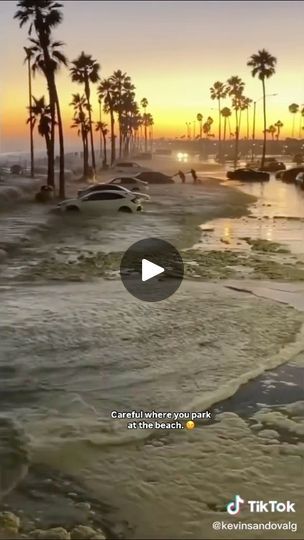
x: 101, y: 202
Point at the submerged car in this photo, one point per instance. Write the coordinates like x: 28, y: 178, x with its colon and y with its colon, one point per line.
x: 154, y: 177
x: 272, y: 165
x: 130, y: 182
x: 290, y: 175
x: 248, y: 175
x: 100, y: 202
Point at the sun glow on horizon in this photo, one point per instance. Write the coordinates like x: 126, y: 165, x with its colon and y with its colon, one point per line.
x: 174, y: 74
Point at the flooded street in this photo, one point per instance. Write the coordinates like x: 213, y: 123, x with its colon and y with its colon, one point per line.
x: 76, y: 346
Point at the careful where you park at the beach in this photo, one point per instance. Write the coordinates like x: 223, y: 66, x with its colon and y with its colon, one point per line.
x: 151, y: 270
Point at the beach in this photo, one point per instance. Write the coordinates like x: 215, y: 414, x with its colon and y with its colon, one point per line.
x: 76, y: 346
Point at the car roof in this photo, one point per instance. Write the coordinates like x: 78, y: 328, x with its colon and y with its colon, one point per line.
x: 106, y: 186
x: 132, y: 176
x: 126, y: 192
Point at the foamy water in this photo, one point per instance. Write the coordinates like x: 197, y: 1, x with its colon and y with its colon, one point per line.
x: 73, y: 352
x: 94, y: 349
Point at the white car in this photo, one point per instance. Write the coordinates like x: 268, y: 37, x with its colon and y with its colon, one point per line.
x: 129, y: 167
x: 100, y: 202
x: 129, y: 182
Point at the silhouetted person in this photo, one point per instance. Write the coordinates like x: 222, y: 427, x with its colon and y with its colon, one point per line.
x: 194, y: 176
x: 182, y: 176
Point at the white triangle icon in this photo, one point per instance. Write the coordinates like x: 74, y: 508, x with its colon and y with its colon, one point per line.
x: 150, y: 270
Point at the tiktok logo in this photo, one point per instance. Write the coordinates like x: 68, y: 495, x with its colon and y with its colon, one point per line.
x: 234, y: 506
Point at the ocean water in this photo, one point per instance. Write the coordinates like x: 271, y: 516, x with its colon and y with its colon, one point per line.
x: 73, y: 352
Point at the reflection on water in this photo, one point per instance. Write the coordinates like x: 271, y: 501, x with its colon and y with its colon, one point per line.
x: 276, y: 216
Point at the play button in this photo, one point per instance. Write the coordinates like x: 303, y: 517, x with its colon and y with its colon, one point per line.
x: 151, y: 270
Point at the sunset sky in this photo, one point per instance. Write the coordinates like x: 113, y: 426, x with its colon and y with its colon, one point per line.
x: 174, y: 52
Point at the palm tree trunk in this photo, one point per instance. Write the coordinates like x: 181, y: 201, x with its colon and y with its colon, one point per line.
x: 104, y: 149
x: 51, y: 155
x: 293, y: 124
x: 61, y: 148
x: 236, y: 140
x: 112, y: 136
x: 31, y: 120
x: 83, y: 151
x: 225, y: 128
x: 146, y: 137
x: 264, y: 134
x: 220, y: 130
x: 100, y: 131
x: 120, y: 135
x: 247, y: 123
x: 91, y: 137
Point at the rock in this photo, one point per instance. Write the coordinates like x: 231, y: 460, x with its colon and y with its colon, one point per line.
x: 57, y: 533
x: 8, y: 520
x: 83, y: 506
x: 83, y: 532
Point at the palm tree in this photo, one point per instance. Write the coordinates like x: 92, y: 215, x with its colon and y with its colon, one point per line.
x: 219, y: 91
x: 263, y: 64
x: 278, y: 125
x: 122, y: 85
x: 226, y: 113
x: 41, y: 112
x: 144, y: 103
x: 85, y: 70
x: 207, y: 127
x: 272, y: 130
x: 293, y: 109
x: 102, y: 128
x: 81, y: 122
x: 106, y: 93
x: 235, y: 88
x: 44, y: 16
x: 28, y: 59
x: 199, y: 118
x: 56, y: 58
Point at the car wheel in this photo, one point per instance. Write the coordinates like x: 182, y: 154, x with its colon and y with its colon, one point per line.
x: 72, y: 209
x: 125, y: 209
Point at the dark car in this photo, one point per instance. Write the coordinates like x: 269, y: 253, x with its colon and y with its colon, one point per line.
x: 289, y: 175
x: 248, y: 175
x: 273, y: 166
x: 153, y: 177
